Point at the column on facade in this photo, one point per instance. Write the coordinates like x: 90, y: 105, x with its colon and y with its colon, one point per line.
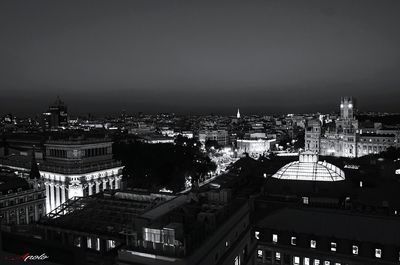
x: 63, y: 199
x: 104, y: 184
x: 111, y: 179
x: 27, y: 214
x: 58, y: 195
x: 48, y: 205
x: 36, y: 214
x: 52, y: 199
x: 91, y: 184
x: 97, y: 186
x: 116, y: 184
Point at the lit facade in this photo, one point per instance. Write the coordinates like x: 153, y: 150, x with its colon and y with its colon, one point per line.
x: 254, y: 147
x: 76, y: 168
x: 309, y: 168
x: 346, y: 139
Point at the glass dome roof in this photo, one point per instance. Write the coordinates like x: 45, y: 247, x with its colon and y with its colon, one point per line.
x: 309, y: 168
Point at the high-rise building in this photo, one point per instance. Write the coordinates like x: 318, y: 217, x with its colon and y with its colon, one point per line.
x: 56, y: 116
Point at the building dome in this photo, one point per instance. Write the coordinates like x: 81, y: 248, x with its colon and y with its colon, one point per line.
x: 309, y: 168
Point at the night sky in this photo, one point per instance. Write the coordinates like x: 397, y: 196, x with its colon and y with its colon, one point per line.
x: 199, y: 57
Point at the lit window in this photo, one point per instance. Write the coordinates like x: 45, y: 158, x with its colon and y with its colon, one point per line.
x: 98, y: 244
x: 226, y: 244
x: 275, y: 238
x: 305, y: 200
x: 333, y: 246
x: 257, y: 235
x: 237, y: 260
x: 337, y: 263
x: 259, y: 253
x: 316, y: 262
x: 313, y: 244
x: 293, y: 240
x: 111, y: 243
x: 277, y: 256
x: 296, y: 260
x: 89, y: 242
x: 355, y: 250
x: 378, y: 253
x: 306, y: 261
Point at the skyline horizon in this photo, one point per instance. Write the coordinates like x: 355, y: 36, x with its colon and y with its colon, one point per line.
x: 224, y: 112
x: 199, y: 57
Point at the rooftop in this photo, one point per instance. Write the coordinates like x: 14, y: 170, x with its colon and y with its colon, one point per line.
x: 309, y: 168
x: 334, y: 223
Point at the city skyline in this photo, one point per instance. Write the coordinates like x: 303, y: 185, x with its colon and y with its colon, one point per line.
x: 267, y: 57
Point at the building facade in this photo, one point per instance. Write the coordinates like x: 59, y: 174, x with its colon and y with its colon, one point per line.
x: 305, y: 242
x: 56, y: 116
x: 22, y: 201
x: 220, y: 136
x: 346, y: 139
x: 78, y: 167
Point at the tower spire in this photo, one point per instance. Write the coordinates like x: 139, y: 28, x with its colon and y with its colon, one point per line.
x: 238, y: 114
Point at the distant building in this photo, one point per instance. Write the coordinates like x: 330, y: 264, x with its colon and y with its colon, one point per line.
x: 221, y: 136
x: 156, y: 139
x: 238, y: 114
x: 255, y: 144
x: 346, y: 139
x: 56, y: 116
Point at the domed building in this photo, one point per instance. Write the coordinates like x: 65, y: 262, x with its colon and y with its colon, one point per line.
x: 309, y: 168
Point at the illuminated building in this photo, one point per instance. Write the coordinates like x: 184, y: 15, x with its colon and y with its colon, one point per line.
x: 310, y: 169
x: 255, y: 144
x: 71, y: 167
x: 78, y: 167
x: 156, y: 139
x: 346, y: 139
x: 238, y: 114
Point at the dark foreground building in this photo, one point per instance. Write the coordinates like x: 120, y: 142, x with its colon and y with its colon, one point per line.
x: 327, y: 237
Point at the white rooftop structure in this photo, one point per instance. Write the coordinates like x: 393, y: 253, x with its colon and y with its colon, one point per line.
x: 309, y: 168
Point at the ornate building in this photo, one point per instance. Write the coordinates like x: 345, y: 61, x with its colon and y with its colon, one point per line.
x: 345, y: 139
x: 77, y: 168
x: 22, y: 199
